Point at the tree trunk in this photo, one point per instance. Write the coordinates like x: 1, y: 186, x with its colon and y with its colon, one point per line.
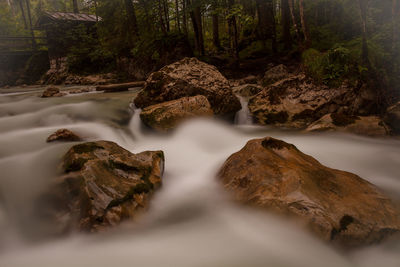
x: 394, y: 28
x: 75, y: 5
x: 28, y: 9
x: 132, y: 21
x: 307, y: 39
x: 21, y: 6
x: 266, y: 22
x: 178, y: 23
x: 233, y: 32
x: 363, y: 9
x: 296, y: 27
x: 95, y: 10
x: 195, y: 14
x: 166, y: 15
x: 160, y: 14
x: 184, y: 17
x: 287, y: 39
x: 215, y: 26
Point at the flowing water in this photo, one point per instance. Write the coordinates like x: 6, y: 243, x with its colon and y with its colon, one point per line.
x: 191, y: 221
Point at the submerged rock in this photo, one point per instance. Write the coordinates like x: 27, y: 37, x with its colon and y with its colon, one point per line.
x: 103, y: 184
x: 362, y: 125
x: 392, y: 118
x: 168, y: 115
x: 338, y: 206
x: 52, y: 92
x: 189, y: 77
x: 63, y: 135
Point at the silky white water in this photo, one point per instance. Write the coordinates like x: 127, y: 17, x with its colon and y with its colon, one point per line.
x: 191, y: 221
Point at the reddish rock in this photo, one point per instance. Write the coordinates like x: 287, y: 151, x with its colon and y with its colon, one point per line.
x: 338, y: 206
x: 63, y: 135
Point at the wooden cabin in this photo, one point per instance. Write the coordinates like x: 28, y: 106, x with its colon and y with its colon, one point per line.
x: 62, y: 32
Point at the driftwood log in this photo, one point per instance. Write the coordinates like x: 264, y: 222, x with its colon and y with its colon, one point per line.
x: 119, y: 87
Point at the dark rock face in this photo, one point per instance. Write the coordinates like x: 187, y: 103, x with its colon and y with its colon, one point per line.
x: 63, y: 135
x: 338, y: 206
x: 392, y: 118
x: 168, y: 115
x: 103, y: 184
x: 189, y: 77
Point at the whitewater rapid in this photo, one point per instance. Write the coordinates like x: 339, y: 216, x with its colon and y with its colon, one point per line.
x: 191, y: 221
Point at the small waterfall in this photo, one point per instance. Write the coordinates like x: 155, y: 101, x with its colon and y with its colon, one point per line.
x: 243, y: 117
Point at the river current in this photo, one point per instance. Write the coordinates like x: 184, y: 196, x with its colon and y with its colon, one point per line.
x: 191, y: 221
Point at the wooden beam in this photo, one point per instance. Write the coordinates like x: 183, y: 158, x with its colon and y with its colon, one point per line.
x: 119, y: 87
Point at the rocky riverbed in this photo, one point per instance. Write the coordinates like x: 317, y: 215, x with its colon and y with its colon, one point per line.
x: 307, y: 194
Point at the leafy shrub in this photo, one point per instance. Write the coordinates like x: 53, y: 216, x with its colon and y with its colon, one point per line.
x: 331, y: 67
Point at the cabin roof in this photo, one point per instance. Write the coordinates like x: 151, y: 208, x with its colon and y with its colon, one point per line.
x: 60, y: 17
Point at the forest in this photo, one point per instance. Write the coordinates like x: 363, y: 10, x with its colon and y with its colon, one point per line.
x: 332, y: 39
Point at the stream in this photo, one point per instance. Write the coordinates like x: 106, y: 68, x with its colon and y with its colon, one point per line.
x: 191, y: 221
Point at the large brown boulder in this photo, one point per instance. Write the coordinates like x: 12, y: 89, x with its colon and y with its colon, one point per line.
x: 102, y: 184
x: 338, y: 206
x: 392, y: 118
x: 168, y: 115
x: 189, y: 77
x: 361, y: 125
x: 275, y: 74
x: 295, y: 102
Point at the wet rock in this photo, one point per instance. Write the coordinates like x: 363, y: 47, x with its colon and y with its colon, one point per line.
x: 102, y: 185
x: 361, y: 125
x: 247, y: 90
x: 63, y: 135
x: 189, y: 77
x: 168, y: 115
x: 392, y: 118
x: 52, y: 92
x: 337, y: 206
x: 296, y: 102
x: 275, y: 74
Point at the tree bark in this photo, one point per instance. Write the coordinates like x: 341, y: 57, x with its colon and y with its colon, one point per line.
x: 307, y: 38
x: 233, y: 31
x: 266, y: 22
x: 75, y: 6
x: 184, y: 17
x: 166, y: 15
x: 394, y: 28
x: 363, y: 9
x: 195, y: 14
x: 160, y: 14
x: 21, y: 6
x: 287, y: 38
x: 178, y: 23
x: 132, y: 20
x: 296, y: 27
x: 28, y: 9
